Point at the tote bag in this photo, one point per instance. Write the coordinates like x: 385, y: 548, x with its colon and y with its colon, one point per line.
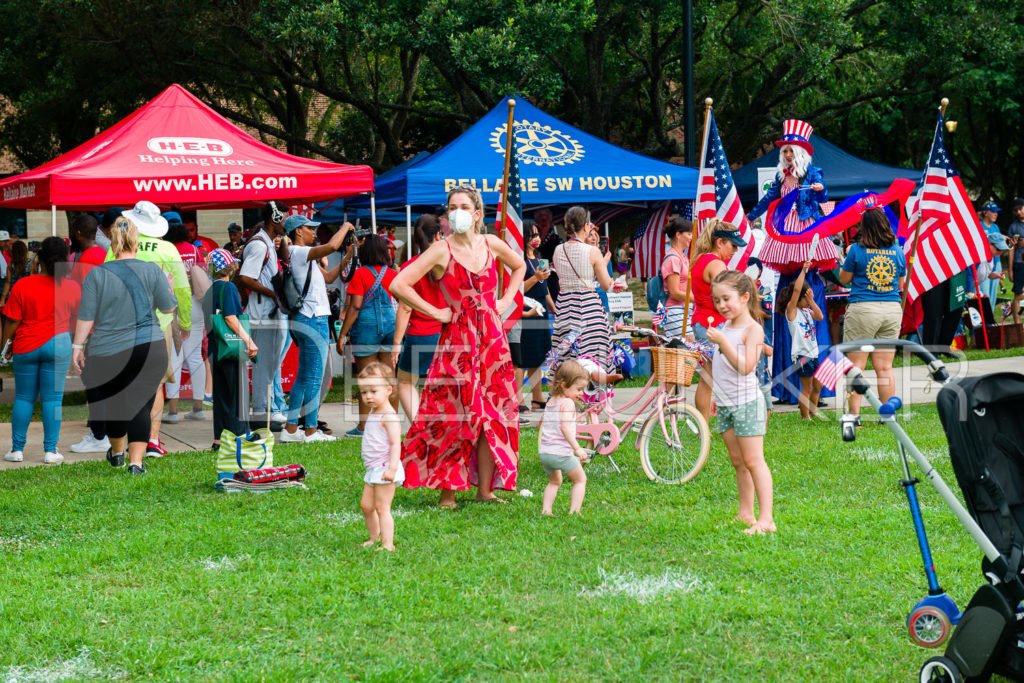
x: 230, y: 347
x: 239, y: 453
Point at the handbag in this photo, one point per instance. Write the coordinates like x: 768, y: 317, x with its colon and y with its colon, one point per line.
x: 242, y: 452
x: 230, y: 346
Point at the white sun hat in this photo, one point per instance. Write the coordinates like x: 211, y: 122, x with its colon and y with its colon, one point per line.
x: 146, y: 217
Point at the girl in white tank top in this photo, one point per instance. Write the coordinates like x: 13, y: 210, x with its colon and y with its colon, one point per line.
x: 559, y: 451
x: 382, y: 454
x: 742, y: 411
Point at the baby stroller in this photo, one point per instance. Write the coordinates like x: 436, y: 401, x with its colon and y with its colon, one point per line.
x: 983, y: 425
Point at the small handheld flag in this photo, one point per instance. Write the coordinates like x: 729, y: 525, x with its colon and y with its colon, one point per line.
x: 832, y: 368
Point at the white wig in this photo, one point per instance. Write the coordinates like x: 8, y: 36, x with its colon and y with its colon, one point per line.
x: 801, y: 160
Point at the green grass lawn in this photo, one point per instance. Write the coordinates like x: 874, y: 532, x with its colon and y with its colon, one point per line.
x: 161, y: 577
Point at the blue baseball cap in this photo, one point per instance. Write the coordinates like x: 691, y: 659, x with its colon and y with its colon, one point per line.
x: 991, y: 206
x: 296, y: 221
x: 997, y: 240
x: 172, y: 217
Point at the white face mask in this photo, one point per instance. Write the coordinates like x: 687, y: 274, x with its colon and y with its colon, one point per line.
x: 460, y: 220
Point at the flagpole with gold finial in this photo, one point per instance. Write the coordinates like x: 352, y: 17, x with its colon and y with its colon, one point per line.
x: 689, y: 254
x: 917, y: 226
x: 509, y: 136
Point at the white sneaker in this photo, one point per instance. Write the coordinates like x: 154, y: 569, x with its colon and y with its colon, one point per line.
x: 319, y: 436
x: 14, y: 456
x: 90, y: 444
x: 170, y: 418
x: 287, y: 437
x: 278, y: 417
x: 195, y: 415
x: 53, y: 458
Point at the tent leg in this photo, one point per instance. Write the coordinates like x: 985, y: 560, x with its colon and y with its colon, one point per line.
x: 373, y: 213
x: 53, y: 220
x: 608, y: 234
x: 408, y: 231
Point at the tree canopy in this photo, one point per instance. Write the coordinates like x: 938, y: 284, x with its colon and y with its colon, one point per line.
x: 374, y: 81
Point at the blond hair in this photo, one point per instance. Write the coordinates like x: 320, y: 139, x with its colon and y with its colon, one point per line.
x: 475, y: 198
x: 376, y: 369
x: 742, y: 283
x: 706, y: 240
x: 124, y: 237
x: 567, y: 374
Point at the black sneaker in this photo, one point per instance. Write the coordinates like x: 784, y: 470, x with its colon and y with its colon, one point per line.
x: 115, y: 459
x: 322, y: 426
x: 136, y: 469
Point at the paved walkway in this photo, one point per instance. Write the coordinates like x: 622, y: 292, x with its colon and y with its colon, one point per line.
x: 912, y: 384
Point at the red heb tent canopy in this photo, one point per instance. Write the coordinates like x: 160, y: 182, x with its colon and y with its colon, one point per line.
x: 176, y: 150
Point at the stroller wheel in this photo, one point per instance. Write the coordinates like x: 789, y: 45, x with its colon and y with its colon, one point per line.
x: 940, y: 670
x: 928, y: 626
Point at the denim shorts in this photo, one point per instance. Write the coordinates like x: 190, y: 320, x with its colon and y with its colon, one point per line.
x: 369, y: 338
x: 418, y: 353
x: 806, y: 366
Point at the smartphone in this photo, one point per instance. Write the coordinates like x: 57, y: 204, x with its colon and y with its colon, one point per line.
x: 543, y: 264
x: 603, y: 242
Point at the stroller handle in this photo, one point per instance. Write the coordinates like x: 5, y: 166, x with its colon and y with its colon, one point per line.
x: 936, y: 368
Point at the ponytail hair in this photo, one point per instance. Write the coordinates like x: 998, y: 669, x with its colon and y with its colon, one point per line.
x: 706, y: 239
x: 124, y: 236
x: 742, y: 283
x: 424, y: 232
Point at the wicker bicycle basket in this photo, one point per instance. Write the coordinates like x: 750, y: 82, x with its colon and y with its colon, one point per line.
x: 674, y: 366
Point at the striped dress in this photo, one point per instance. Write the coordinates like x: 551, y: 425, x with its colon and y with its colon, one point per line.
x: 578, y: 306
x: 787, y: 258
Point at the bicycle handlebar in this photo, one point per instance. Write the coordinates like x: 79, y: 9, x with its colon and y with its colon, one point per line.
x: 936, y: 368
x: 643, y: 332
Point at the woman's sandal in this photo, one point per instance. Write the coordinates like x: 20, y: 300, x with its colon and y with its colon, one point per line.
x: 539, y: 405
x: 524, y: 409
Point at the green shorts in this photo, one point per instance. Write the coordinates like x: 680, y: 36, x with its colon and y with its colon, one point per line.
x: 559, y: 463
x: 748, y: 419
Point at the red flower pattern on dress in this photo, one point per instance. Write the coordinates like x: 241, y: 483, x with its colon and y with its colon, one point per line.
x: 470, y: 391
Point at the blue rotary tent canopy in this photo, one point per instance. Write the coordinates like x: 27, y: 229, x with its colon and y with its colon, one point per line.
x: 558, y: 164
x: 845, y: 174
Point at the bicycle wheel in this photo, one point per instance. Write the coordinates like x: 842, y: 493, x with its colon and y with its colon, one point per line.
x: 677, y: 454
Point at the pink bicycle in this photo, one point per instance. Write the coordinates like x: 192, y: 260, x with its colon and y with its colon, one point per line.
x: 673, y: 438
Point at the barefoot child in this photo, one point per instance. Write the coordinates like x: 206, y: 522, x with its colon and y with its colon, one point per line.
x: 741, y: 405
x: 802, y: 313
x: 559, y: 451
x: 382, y: 450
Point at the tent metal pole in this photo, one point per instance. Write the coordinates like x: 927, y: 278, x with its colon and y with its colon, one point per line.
x: 373, y: 213
x: 607, y: 233
x: 408, y: 231
x: 53, y: 220
x: 345, y: 216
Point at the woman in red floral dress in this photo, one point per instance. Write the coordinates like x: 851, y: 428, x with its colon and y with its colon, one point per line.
x: 470, y: 389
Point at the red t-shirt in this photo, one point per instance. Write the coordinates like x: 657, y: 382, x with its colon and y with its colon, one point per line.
x: 428, y: 288
x: 43, y: 308
x: 207, y: 245
x: 363, y: 280
x: 87, y: 260
x: 190, y: 256
x: 704, y: 307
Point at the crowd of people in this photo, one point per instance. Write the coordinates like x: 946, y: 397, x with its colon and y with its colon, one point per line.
x: 134, y: 297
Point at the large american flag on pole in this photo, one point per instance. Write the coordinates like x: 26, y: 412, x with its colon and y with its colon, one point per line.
x: 951, y: 238
x: 512, y: 230
x: 716, y: 192
x: 649, y: 242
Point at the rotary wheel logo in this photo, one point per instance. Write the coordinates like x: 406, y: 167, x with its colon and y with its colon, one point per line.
x: 881, y: 271
x: 539, y: 144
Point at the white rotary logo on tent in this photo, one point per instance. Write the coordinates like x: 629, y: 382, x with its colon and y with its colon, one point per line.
x: 539, y: 144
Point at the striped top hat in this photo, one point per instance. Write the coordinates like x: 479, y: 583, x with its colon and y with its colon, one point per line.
x: 796, y: 132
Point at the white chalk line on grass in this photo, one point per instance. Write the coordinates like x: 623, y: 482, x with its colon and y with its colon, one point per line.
x: 349, y: 517
x: 80, y: 667
x: 880, y: 454
x: 223, y: 564
x: 643, y: 589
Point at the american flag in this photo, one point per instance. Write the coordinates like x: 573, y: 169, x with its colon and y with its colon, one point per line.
x: 832, y: 368
x: 951, y: 237
x: 609, y: 213
x: 512, y: 230
x: 649, y: 243
x: 307, y: 210
x: 658, y: 317
x: 716, y: 193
